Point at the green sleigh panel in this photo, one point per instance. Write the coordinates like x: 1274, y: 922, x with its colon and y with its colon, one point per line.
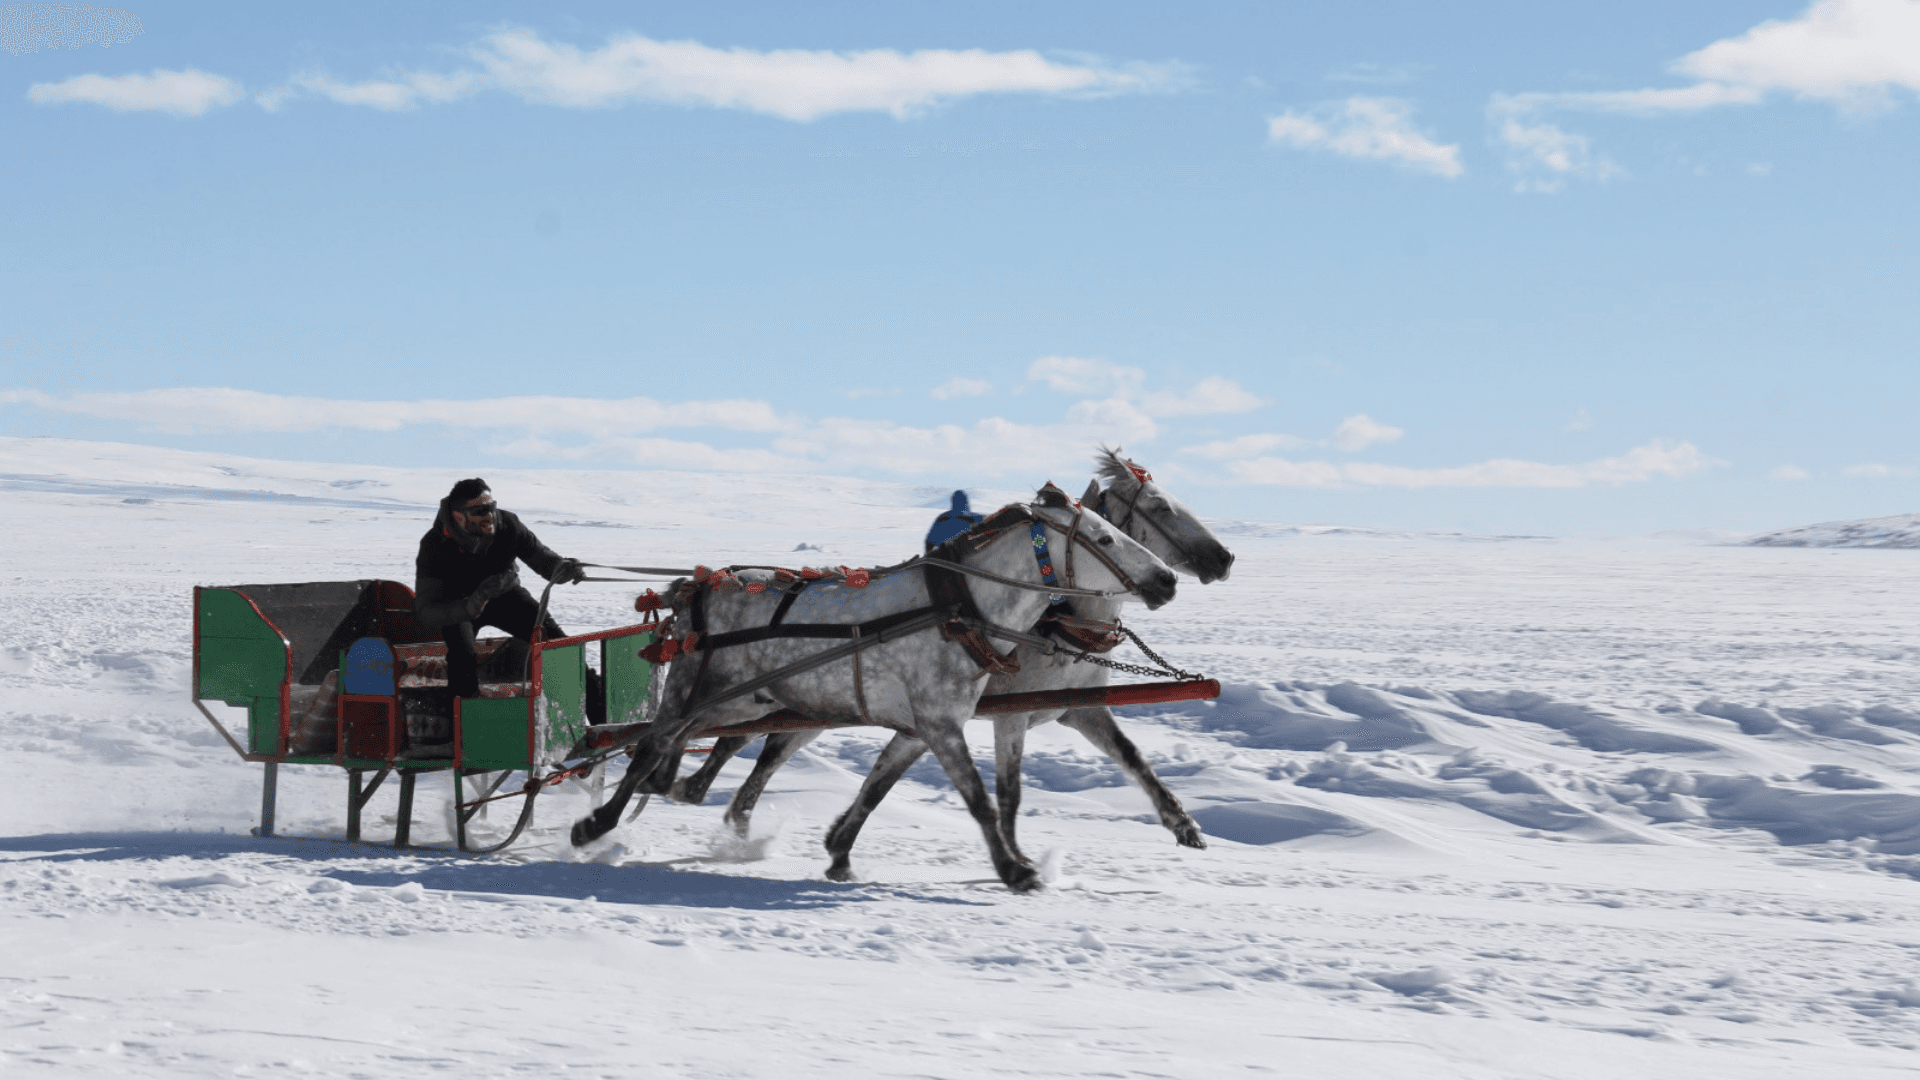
x: 242, y: 660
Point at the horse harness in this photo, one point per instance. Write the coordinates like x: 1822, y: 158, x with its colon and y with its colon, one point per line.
x: 953, y: 610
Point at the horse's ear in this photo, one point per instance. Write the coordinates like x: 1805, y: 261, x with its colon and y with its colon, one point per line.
x: 1052, y: 497
x: 1093, y: 493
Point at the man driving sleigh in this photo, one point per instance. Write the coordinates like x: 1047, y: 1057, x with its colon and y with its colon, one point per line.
x: 465, y: 578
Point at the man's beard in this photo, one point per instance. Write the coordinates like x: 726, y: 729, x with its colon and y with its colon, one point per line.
x: 473, y: 543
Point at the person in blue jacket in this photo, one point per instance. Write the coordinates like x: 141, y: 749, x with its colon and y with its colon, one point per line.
x: 952, y: 523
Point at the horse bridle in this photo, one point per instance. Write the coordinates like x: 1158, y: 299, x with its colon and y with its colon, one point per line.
x: 1072, y: 532
x: 1139, y: 489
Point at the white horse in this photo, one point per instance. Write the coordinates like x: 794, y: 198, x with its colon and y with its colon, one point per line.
x: 921, y: 682
x: 1147, y: 513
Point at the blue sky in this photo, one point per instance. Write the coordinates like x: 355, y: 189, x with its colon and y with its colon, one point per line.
x: 1501, y: 267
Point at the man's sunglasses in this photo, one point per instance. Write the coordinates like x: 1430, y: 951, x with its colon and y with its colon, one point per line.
x: 483, y: 510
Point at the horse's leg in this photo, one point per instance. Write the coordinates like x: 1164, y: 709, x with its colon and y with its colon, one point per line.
x: 943, y: 736
x: 647, y: 759
x: 775, y: 752
x: 1100, y: 728
x: 1009, y: 747
x: 692, y: 789
x: 892, y: 764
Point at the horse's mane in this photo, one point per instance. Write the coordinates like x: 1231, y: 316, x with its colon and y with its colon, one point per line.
x: 1118, y: 472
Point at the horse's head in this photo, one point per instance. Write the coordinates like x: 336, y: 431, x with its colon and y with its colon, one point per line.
x: 1144, y: 511
x: 1089, y: 552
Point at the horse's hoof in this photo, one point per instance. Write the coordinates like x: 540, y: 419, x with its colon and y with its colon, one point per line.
x: 587, y: 830
x: 1023, y: 879
x: 1189, y: 836
x: 840, y: 871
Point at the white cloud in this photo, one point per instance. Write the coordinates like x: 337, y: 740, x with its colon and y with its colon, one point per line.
x: 1080, y: 375
x: 1210, y: 395
x: 990, y: 447
x: 794, y: 84
x: 1374, y: 129
x: 1876, y: 470
x: 1357, y: 432
x: 580, y: 428
x: 1088, y: 377
x: 1244, y: 446
x: 958, y: 387
x: 221, y: 409
x: 1543, y: 157
x: 1378, y: 74
x: 1642, y: 102
x: 182, y: 93
x: 389, y: 94
x: 1636, y: 465
x: 1117, y: 415
x: 1848, y: 52
x: 1790, y: 472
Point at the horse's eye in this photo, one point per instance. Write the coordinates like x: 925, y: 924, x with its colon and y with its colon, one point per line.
x: 1106, y: 541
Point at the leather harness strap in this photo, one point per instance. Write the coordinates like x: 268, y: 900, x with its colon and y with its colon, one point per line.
x: 949, y: 592
x: 860, y: 684
x: 812, y: 630
x: 1092, y: 635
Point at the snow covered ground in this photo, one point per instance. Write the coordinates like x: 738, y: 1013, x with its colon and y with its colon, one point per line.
x: 1521, y: 808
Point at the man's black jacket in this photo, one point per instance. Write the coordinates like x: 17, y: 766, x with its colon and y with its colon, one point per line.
x: 445, y: 574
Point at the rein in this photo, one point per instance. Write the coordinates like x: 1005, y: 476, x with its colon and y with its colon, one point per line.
x: 1012, y: 583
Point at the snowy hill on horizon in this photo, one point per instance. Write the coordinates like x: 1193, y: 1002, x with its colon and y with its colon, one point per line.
x: 1576, y: 809
x: 1894, y: 531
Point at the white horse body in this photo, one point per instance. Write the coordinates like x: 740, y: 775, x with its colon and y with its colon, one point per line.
x: 923, y: 685
x: 1152, y: 517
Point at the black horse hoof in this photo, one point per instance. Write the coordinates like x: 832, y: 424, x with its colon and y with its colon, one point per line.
x: 1189, y: 836
x: 588, y: 829
x: 1023, y: 879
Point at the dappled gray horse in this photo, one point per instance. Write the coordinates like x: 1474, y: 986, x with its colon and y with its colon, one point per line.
x: 921, y: 683
x: 1147, y: 513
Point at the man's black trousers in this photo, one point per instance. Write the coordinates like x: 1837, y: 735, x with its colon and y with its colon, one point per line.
x: 512, y: 612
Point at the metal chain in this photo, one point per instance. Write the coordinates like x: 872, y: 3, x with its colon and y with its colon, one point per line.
x: 1139, y: 669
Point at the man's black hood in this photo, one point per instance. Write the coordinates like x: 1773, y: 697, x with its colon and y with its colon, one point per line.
x: 471, y: 543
